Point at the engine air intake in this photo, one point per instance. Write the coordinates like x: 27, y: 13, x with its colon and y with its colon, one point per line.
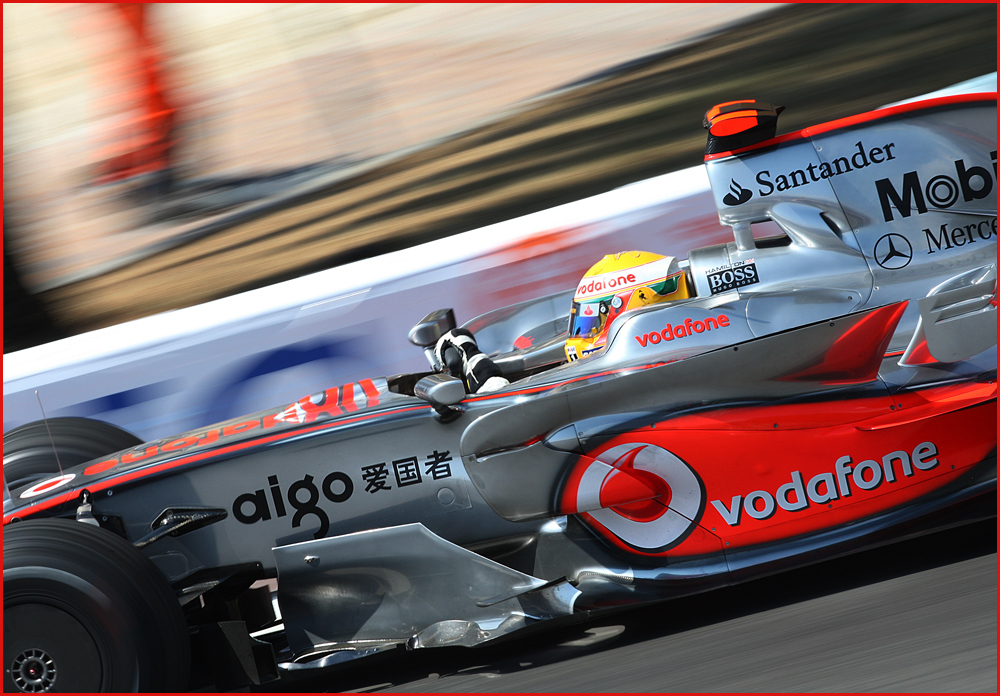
x: 737, y: 124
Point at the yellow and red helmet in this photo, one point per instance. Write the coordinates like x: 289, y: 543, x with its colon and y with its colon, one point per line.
x: 615, y: 285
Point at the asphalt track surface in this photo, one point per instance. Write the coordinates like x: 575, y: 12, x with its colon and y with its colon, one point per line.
x: 915, y: 616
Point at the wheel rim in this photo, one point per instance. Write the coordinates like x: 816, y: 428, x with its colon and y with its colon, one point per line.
x: 47, y: 648
x: 33, y: 670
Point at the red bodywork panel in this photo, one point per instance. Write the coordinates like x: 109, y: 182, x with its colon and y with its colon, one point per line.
x: 771, y: 473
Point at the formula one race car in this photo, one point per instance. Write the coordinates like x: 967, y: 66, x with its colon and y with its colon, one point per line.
x: 820, y: 391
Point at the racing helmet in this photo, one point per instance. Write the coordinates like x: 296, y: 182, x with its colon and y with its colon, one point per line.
x: 615, y: 285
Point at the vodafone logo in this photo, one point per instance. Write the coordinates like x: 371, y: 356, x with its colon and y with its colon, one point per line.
x: 47, y: 485
x: 797, y: 495
x: 636, y: 494
x: 688, y: 327
x: 592, y: 287
x: 601, y: 285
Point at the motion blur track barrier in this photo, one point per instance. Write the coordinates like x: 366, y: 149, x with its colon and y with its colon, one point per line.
x: 177, y: 371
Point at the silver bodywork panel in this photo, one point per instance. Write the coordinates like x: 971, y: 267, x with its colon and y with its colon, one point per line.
x: 405, y: 584
x: 957, y: 319
x: 385, y: 523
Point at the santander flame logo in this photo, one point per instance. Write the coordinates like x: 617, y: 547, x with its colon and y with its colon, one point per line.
x: 738, y: 195
x: 637, y: 495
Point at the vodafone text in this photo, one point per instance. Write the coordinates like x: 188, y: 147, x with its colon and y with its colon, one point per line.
x: 611, y: 282
x: 689, y: 327
x: 822, y: 488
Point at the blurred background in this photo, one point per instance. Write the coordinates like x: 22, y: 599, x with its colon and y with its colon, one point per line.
x: 160, y: 156
x: 157, y: 157
x: 128, y: 126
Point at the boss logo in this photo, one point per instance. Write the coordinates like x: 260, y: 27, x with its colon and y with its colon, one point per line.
x: 731, y: 278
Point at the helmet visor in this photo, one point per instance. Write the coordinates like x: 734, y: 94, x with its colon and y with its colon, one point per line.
x: 587, y: 320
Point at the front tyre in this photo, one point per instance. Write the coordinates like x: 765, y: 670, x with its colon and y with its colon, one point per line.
x: 85, y: 611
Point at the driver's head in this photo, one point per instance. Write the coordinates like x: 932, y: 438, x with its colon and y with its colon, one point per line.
x: 615, y: 285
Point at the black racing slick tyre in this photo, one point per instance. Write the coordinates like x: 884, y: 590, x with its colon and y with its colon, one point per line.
x: 28, y: 450
x: 84, y: 611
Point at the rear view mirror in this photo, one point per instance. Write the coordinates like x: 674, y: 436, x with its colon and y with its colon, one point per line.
x: 442, y: 392
x: 440, y: 389
x: 432, y: 327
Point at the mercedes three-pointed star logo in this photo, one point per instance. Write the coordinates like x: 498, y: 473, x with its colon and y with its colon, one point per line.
x: 893, y: 251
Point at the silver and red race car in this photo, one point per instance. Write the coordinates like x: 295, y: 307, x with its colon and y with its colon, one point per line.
x: 824, y: 389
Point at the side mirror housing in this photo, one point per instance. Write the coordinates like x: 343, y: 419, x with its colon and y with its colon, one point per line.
x: 442, y: 392
x: 432, y: 327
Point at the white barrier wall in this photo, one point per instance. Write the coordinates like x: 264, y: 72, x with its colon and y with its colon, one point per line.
x: 187, y: 368
x: 183, y: 369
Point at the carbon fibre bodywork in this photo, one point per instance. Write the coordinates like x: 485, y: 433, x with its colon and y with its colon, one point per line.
x: 824, y: 390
